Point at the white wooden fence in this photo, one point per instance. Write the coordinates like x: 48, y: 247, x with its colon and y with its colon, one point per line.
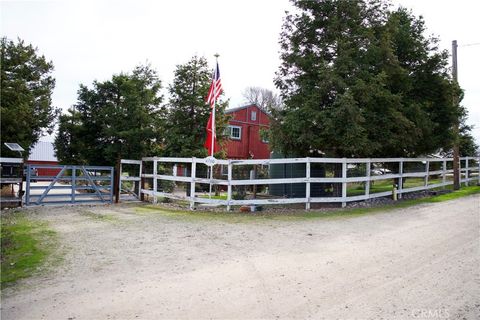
x: 469, y: 173
x: 123, y: 193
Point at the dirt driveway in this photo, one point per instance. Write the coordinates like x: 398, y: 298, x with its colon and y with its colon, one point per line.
x: 416, y: 263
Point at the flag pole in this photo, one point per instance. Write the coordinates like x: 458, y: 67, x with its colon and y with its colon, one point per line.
x: 214, y: 102
x: 213, y: 123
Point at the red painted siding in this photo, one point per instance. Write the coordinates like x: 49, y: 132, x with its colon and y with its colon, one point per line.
x: 45, y: 171
x: 250, y: 145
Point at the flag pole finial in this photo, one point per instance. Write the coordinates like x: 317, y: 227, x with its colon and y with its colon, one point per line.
x: 216, y: 55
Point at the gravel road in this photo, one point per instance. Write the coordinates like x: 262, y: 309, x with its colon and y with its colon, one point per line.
x: 416, y: 263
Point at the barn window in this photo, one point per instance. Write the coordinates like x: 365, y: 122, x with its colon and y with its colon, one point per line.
x: 235, y: 132
x: 253, y: 116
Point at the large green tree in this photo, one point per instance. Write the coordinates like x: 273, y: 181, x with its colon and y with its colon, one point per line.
x: 69, y: 144
x: 188, y: 113
x: 358, y: 79
x: 118, y: 118
x: 26, y: 85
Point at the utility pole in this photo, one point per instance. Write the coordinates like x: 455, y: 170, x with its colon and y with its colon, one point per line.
x: 456, y: 131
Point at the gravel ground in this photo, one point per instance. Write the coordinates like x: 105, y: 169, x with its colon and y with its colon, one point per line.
x: 122, y: 263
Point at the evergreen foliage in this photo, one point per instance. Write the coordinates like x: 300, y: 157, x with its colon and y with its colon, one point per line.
x: 26, y: 85
x: 361, y: 80
x: 118, y: 118
x: 188, y: 113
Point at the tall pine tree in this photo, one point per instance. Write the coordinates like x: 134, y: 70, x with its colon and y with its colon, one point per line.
x: 358, y: 79
x: 117, y: 118
x: 26, y: 87
x: 188, y: 113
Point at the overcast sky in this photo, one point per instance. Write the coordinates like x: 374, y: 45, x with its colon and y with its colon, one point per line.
x: 91, y: 40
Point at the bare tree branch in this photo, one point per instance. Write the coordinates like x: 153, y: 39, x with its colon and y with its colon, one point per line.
x: 263, y: 98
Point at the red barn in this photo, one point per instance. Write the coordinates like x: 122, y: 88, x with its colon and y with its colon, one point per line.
x: 43, y: 152
x: 246, y: 137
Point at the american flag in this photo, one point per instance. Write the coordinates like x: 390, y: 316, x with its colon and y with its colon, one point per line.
x: 215, y: 90
x: 215, y: 87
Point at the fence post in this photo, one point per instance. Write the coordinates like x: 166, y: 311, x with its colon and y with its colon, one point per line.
x: 74, y: 183
x: 27, y: 191
x: 400, y: 179
x: 466, y: 172
x: 427, y: 173
x: 444, y: 173
x: 155, y: 165
x: 344, y: 182
x: 307, y: 187
x: 139, y: 194
x: 368, y: 165
x: 193, y: 174
x: 118, y: 182
x: 459, y: 172
x: 142, y: 183
x: 478, y: 163
x: 112, y: 174
x: 20, y: 187
x: 229, y: 188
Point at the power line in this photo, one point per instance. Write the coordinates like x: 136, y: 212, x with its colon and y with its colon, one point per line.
x: 470, y: 44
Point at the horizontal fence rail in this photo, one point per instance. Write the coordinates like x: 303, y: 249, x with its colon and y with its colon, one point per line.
x: 346, y: 179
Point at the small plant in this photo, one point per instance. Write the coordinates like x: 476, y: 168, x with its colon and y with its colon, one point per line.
x: 239, y: 194
x: 167, y: 186
x: 165, y: 200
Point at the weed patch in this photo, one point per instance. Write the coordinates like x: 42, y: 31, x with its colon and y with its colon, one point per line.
x: 99, y: 217
x: 26, y: 244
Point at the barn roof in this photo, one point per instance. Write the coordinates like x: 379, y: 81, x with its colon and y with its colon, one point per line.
x: 42, y: 151
x: 231, y: 110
